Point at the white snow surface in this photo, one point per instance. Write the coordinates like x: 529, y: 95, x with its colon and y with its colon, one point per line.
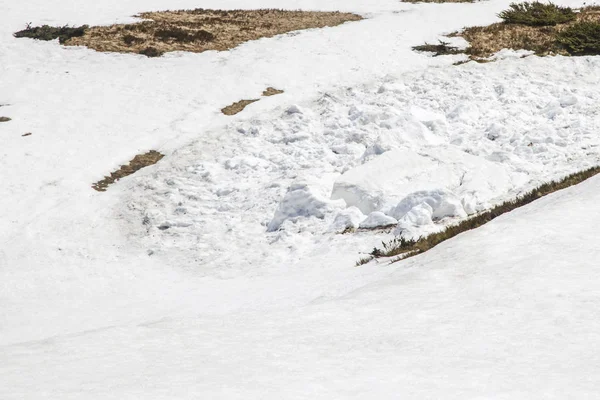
x: 221, y: 272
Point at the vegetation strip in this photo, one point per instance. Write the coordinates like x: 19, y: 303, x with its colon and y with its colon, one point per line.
x: 196, y: 30
x: 543, y: 28
x: 140, y: 161
x: 404, y: 248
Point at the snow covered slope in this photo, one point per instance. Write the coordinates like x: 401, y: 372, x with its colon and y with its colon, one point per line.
x: 507, y: 311
x: 220, y: 273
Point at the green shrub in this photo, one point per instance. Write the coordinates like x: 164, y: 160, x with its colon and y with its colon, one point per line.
x: 581, y: 39
x: 443, y: 48
x: 537, y: 14
x: 47, y: 32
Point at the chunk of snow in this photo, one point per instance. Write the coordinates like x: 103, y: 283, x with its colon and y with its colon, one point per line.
x: 377, y: 219
x: 348, y: 218
x: 300, y: 201
x: 441, y: 202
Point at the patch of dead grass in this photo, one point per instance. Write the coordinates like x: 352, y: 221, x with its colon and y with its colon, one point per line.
x: 237, y: 107
x: 140, y: 161
x: 485, y: 41
x: 201, y: 30
x: 270, y: 91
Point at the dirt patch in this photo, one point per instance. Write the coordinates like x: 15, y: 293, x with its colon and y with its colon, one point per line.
x: 238, y: 107
x: 140, y: 161
x: 403, y: 248
x: 4, y: 119
x: 485, y: 41
x: 26, y: 134
x: 270, y: 91
x: 201, y: 30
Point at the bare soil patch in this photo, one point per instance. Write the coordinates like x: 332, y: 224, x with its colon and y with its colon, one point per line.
x: 4, y: 119
x: 270, y: 91
x: 201, y: 30
x: 238, y: 107
x: 140, y: 161
x: 484, y: 41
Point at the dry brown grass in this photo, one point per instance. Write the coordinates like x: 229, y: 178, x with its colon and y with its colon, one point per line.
x: 238, y: 107
x: 270, y: 91
x: 140, y: 161
x: 484, y: 41
x: 201, y: 30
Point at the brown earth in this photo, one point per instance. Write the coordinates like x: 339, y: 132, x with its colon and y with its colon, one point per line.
x: 201, y: 30
x: 140, y: 161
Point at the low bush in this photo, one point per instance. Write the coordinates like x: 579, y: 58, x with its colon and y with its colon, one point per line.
x: 443, y: 48
x: 46, y: 32
x: 537, y: 14
x: 581, y: 39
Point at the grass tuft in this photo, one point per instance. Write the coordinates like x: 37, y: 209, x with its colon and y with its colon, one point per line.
x: 140, y: 161
x: 404, y: 248
x: 537, y: 14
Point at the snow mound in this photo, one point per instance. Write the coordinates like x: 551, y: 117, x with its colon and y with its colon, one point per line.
x: 349, y: 218
x: 301, y: 201
x: 377, y: 219
x: 381, y: 183
x: 422, y: 209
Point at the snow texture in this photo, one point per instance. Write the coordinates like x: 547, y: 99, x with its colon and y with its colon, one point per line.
x: 222, y: 271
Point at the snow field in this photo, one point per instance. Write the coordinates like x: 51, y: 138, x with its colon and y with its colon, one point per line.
x: 221, y: 271
x: 418, y: 148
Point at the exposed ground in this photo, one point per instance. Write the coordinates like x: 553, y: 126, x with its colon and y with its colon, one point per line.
x: 140, y: 161
x: 237, y: 107
x: 4, y: 119
x: 270, y: 91
x: 487, y: 40
x: 201, y: 30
